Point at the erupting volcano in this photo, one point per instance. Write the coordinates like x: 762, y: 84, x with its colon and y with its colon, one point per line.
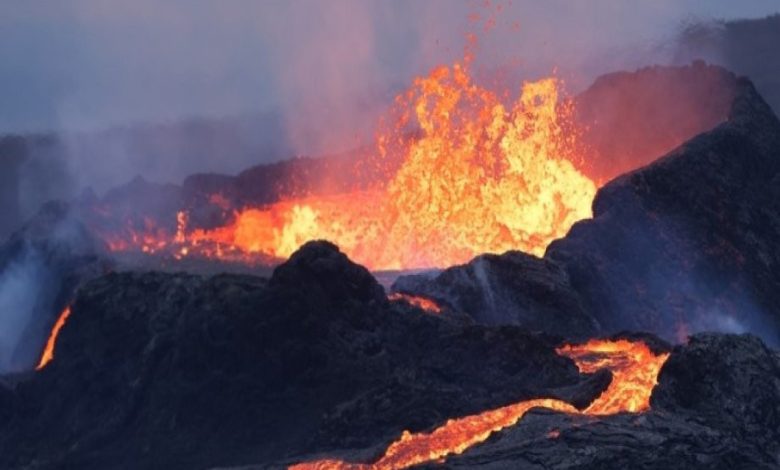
x: 526, y: 257
x: 464, y: 174
x: 634, y: 370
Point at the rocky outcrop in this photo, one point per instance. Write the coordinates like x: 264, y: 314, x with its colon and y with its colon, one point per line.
x: 727, y: 380
x: 514, y: 288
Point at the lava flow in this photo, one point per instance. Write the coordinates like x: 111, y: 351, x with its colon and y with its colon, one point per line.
x: 418, y: 301
x: 634, y: 370
x: 48, y: 351
x: 464, y: 174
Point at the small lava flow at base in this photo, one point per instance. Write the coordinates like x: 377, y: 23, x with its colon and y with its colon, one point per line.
x: 634, y: 369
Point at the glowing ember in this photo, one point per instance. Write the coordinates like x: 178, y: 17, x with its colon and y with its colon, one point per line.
x: 48, y: 352
x: 634, y: 370
x: 418, y: 301
x: 478, y: 177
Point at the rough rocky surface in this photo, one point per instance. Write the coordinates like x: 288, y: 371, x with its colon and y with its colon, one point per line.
x: 182, y: 371
x: 515, y: 288
x: 688, y: 243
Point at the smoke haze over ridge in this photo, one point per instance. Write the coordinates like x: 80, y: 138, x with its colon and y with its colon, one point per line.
x: 297, y: 77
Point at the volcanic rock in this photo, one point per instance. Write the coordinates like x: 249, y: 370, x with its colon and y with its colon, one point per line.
x: 731, y: 381
x: 515, y: 288
x: 182, y: 371
x: 294, y: 177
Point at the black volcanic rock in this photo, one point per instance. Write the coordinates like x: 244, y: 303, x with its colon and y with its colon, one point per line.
x: 183, y: 371
x: 326, y: 273
x: 294, y: 177
x: 688, y: 243
x: 514, y: 288
x: 726, y: 379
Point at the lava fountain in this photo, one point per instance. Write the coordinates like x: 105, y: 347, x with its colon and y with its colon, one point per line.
x: 465, y: 174
x: 634, y: 370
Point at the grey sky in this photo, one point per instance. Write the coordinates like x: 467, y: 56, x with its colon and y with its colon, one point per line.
x: 86, y: 64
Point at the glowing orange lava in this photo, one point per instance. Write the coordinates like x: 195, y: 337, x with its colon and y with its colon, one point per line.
x: 476, y: 176
x: 48, y: 351
x: 634, y: 370
x: 418, y: 301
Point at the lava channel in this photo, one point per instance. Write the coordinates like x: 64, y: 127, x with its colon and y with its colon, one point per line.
x: 634, y: 370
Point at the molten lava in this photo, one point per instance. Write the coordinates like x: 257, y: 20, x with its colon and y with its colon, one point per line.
x: 418, y: 301
x: 48, y: 351
x: 465, y: 174
x: 634, y: 370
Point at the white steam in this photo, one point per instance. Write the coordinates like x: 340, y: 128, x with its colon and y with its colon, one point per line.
x: 22, y: 291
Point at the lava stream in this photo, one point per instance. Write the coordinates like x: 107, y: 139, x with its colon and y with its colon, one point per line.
x: 634, y: 370
x: 418, y: 301
x: 48, y: 351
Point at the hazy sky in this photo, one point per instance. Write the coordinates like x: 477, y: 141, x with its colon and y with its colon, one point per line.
x: 86, y: 64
